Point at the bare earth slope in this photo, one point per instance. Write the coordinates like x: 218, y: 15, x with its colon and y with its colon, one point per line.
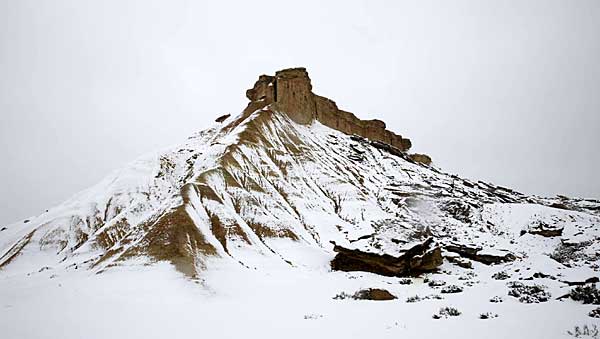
x: 295, y: 188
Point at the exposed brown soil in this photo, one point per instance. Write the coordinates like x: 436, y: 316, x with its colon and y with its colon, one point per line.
x: 175, y: 238
x: 15, y: 250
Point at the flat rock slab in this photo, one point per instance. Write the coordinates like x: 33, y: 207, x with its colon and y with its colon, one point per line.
x: 421, y: 257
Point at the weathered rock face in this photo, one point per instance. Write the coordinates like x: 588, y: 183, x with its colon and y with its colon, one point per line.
x: 476, y: 253
x: 546, y: 230
x: 290, y: 91
x: 423, y: 257
x: 263, y: 89
x: 421, y: 158
x: 373, y: 294
x: 222, y: 118
x: 294, y: 95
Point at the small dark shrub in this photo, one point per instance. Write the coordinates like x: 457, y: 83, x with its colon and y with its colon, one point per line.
x: 434, y: 296
x: 500, y: 275
x: 585, y: 331
x: 313, y: 316
x: 595, y: 313
x: 436, y: 283
x: 488, y: 315
x: 588, y: 294
x: 566, y: 253
x: 405, y: 281
x: 496, y: 299
x: 342, y: 296
x: 446, y: 312
x: 452, y: 289
x: 416, y: 298
x: 528, y: 294
x: 413, y: 299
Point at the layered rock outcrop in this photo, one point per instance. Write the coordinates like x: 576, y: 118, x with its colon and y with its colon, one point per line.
x: 425, y: 256
x: 477, y: 253
x: 290, y: 91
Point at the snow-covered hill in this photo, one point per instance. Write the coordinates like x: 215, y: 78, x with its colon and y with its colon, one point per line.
x: 264, y: 217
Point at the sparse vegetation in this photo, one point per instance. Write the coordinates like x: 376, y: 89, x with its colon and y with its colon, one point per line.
x: 413, y: 299
x: 496, y: 299
x: 566, y: 253
x: 342, y: 296
x: 528, y: 294
x: 502, y: 275
x: 595, y: 313
x: 488, y: 315
x: 406, y: 281
x: 585, y: 331
x: 446, y: 312
x: 588, y: 294
x: 366, y: 294
x: 436, y: 283
x: 416, y: 298
x: 452, y: 289
x: 313, y: 316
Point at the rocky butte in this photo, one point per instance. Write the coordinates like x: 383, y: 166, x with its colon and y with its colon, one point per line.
x: 290, y: 91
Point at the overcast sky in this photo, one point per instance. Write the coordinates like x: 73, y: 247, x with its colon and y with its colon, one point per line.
x: 503, y: 91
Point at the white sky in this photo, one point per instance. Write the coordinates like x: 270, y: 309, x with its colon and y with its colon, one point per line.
x: 503, y: 91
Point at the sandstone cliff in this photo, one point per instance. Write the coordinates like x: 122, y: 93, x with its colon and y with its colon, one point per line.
x: 290, y: 91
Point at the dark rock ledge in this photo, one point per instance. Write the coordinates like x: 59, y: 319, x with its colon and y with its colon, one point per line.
x: 424, y: 256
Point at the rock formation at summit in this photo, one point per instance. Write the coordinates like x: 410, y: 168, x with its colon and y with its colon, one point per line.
x: 290, y: 91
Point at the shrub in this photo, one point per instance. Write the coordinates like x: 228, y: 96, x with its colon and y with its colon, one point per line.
x: 500, y: 275
x: 446, y: 312
x: 528, y: 294
x: 313, y: 316
x: 342, y: 296
x: 587, y: 294
x: 405, y: 281
x: 416, y: 298
x: 585, y: 331
x: 488, y: 315
x: 434, y: 296
x: 436, y: 283
x: 496, y: 299
x: 452, y: 289
x: 571, y: 252
x: 595, y: 313
x: 413, y: 299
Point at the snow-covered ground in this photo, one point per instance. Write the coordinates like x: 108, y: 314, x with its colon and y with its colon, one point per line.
x: 229, y: 235
x: 232, y: 302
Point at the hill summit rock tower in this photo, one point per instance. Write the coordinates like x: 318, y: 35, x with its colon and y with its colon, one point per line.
x: 290, y: 92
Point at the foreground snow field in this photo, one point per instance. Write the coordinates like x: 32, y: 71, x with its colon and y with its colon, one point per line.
x: 230, y: 302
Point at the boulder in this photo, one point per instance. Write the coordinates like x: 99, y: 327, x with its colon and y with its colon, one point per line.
x: 476, y: 253
x: 545, y: 230
x: 424, y: 256
x: 421, y: 158
x: 461, y: 262
x: 373, y: 294
x: 222, y: 118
